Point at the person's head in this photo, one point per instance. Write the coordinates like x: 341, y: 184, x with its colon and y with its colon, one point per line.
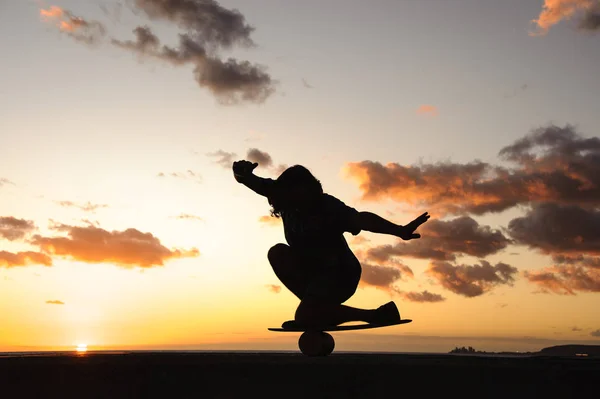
x: 295, y: 188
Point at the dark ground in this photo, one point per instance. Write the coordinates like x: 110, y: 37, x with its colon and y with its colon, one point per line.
x: 282, y: 375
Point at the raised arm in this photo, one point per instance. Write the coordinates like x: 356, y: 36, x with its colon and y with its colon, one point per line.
x: 243, y: 173
x: 376, y: 224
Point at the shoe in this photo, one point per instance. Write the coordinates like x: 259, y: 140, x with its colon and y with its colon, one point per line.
x: 387, y: 314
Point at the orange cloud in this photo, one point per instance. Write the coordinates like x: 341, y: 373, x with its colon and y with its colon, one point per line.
x: 270, y: 220
x: 554, y: 11
x: 427, y: 110
x: 551, y: 164
x: 26, y: 258
x: 78, y: 28
x: 55, y: 302
x: 276, y: 289
x: 126, y: 248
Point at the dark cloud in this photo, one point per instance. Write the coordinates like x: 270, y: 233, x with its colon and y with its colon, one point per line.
x: 231, y: 81
x: 55, y: 302
x: 92, y: 244
x: 551, y: 164
x: 12, y: 228
x: 86, y: 207
x: 208, y: 27
x: 262, y: 158
x: 576, y: 329
x: 207, y: 20
x: 471, y: 280
x: 225, y: 159
x: 385, y: 278
x: 424, y: 296
x: 595, y: 333
x: 558, y: 229
x: 590, y: 20
x: 25, y: 258
x: 445, y: 240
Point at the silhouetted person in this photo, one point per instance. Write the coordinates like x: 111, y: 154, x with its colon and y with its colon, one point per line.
x: 317, y: 265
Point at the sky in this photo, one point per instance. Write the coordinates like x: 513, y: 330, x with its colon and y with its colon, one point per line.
x: 121, y: 225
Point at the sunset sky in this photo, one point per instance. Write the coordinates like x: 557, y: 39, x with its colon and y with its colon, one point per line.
x: 121, y: 225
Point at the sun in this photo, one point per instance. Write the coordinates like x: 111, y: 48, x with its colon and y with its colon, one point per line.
x: 81, y: 348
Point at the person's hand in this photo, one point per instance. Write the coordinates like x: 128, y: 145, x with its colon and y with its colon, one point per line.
x: 408, y: 232
x: 242, y: 169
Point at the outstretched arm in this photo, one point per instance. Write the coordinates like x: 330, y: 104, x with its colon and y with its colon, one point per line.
x: 243, y: 173
x: 376, y: 224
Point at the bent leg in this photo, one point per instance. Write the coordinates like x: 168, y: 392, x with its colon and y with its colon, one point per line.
x: 288, y: 269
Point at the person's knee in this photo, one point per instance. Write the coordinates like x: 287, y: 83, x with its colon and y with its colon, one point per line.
x: 278, y: 254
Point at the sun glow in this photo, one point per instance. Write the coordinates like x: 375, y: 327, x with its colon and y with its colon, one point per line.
x: 81, y: 348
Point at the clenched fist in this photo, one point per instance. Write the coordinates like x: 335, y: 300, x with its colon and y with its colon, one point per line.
x: 242, y: 169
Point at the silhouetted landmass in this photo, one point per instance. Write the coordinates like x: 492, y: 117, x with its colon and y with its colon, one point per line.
x: 572, y: 350
x: 292, y: 375
x: 560, y: 350
x: 471, y: 351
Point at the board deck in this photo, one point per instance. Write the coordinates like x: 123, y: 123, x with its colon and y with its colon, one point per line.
x: 342, y: 327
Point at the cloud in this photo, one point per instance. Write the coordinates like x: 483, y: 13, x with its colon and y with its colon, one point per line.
x: 26, y: 258
x: 262, y: 158
x: 576, y: 329
x: 86, y: 31
x: 230, y: 81
x: 276, y: 289
x: 385, y: 278
x: 555, y: 11
x: 224, y: 159
x: 265, y: 160
x: 445, y: 240
x: 86, y: 207
x: 208, y: 27
x: 424, y: 296
x: 210, y: 22
x: 55, y: 302
x: 565, y: 279
x: 13, y: 229
x: 595, y: 333
x: 187, y: 175
x: 4, y: 181
x: 558, y: 229
x: 187, y: 216
x: 551, y: 164
x: 471, y: 280
x: 270, y: 220
x: 590, y: 20
x: 92, y: 244
x: 425, y: 109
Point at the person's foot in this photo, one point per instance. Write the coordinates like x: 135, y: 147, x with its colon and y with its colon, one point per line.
x: 386, y: 314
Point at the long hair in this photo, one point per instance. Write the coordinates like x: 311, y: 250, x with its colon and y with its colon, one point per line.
x: 296, y: 175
